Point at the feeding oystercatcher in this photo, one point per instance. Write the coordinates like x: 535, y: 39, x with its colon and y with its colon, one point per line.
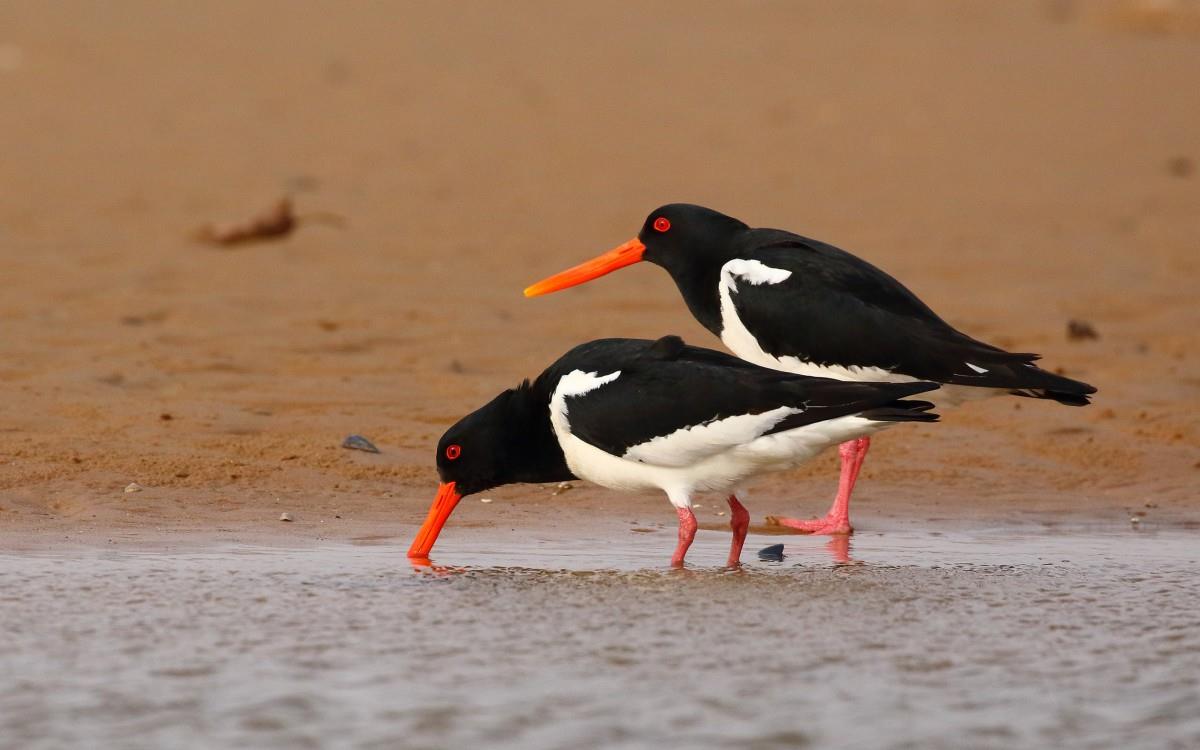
x: 633, y: 414
x: 799, y: 305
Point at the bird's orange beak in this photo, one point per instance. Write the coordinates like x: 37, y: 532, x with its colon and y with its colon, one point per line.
x: 443, y: 506
x: 619, y: 257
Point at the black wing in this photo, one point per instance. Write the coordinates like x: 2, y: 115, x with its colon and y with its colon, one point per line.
x: 837, y: 309
x: 665, y: 386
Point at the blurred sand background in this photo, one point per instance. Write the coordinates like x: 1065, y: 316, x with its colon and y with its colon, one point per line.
x: 1016, y: 164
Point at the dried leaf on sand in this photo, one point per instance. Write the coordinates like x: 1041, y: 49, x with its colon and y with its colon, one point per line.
x: 274, y: 223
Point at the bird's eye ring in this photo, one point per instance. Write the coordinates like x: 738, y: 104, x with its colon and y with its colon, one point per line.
x: 661, y: 224
x: 453, y: 451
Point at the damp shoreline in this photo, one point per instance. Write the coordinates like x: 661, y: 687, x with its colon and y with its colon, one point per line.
x: 938, y: 637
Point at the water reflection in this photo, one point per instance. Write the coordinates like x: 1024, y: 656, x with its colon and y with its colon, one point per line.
x: 806, y: 550
x: 1030, y: 545
x: 548, y: 643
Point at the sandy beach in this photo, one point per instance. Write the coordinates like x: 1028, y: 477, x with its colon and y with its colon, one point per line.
x: 1017, y: 165
x: 1013, y: 186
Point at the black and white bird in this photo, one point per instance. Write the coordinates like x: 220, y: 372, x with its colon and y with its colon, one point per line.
x: 634, y: 414
x: 798, y: 305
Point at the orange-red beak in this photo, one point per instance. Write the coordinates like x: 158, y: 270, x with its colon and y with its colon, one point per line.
x: 443, y: 506
x: 627, y: 254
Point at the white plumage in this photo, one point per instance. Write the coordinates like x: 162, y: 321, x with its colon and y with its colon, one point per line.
x: 712, y: 457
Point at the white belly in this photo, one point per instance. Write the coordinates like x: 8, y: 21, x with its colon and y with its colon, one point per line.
x: 719, y: 472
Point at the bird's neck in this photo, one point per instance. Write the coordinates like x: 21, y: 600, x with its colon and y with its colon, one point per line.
x: 699, y: 286
x: 537, y: 456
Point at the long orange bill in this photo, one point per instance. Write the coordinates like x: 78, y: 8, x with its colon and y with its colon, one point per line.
x: 443, y: 506
x: 627, y: 254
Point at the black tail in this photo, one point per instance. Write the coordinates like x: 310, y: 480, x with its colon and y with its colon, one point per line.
x: 1047, y: 385
x: 902, y: 411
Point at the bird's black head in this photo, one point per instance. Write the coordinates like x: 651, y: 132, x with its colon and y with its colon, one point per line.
x: 474, y: 453
x: 691, y: 242
x: 509, y: 440
x: 681, y: 237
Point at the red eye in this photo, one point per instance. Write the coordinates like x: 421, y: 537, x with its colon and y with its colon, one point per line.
x: 453, y: 451
x: 661, y: 224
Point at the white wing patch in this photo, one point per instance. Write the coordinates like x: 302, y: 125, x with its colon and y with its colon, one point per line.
x: 976, y: 368
x: 578, y: 382
x: 687, y: 445
x: 741, y: 342
x: 752, y: 271
x: 574, y: 383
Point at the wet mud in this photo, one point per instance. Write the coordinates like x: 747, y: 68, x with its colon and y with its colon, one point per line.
x: 1007, y: 637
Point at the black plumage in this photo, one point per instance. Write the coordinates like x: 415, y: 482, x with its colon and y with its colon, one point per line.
x: 666, y: 385
x: 834, y: 308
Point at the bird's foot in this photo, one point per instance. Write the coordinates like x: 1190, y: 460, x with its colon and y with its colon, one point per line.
x: 829, y: 524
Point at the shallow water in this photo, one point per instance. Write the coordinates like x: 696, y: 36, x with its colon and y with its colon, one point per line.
x: 1000, y: 638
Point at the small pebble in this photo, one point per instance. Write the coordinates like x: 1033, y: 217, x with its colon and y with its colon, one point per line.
x: 1134, y: 520
x: 485, y: 499
x: 1081, y: 330
x: 720, y: 512
x: 133, y: 487
x: 359, y: 443
x: 562, y: 487
x: 285, y: 516
x: 1180, y: 166
x: 774, y: 552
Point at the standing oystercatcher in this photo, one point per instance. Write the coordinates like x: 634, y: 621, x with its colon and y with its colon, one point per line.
x: 799, y: 305
x: 633, y: 414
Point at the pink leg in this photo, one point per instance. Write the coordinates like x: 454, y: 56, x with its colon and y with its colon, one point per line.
x: 687, y: 532
x: 864, y: 444
x: 740, y: 523
x: 837, y: 520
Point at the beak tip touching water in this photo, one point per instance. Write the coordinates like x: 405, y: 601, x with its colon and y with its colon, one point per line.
x: 443, y: 505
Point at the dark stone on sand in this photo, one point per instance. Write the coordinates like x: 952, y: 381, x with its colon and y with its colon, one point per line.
x: 1081, y: 330
x: 774, y: 553
x: 1180, y: 166
x: 359, y: 443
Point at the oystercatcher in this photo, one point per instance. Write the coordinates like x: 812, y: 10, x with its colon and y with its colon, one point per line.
x: 633, y: 414
x: 799, y: 305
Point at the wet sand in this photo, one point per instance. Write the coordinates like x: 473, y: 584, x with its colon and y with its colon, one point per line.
x: 964, y: 637
x: 1018, y: 165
